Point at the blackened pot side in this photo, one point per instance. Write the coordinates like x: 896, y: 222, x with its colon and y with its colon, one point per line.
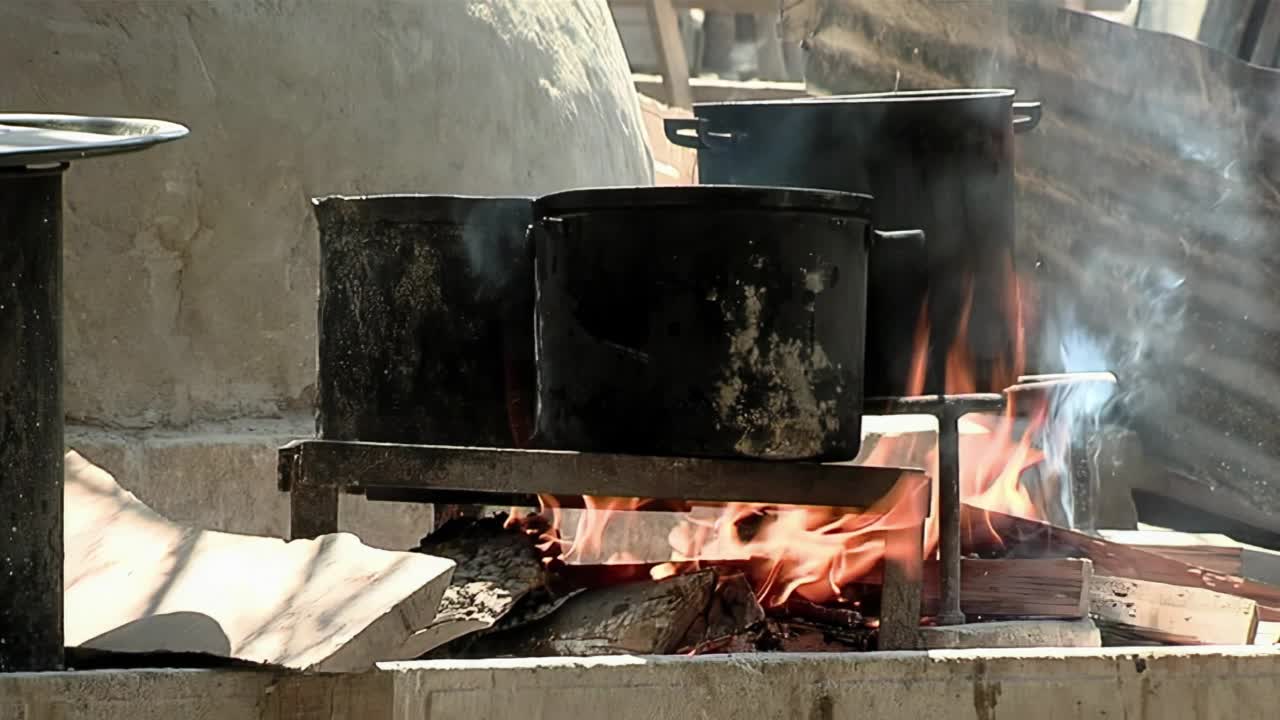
x: 941, y: 161
x: 426, y: 320
x: 701, y: 321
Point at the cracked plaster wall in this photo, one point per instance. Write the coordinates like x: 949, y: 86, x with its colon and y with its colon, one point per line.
x: 190, y: 279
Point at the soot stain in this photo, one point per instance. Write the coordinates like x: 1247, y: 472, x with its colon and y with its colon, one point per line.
x: 823, y: 709
x: 986, y: 695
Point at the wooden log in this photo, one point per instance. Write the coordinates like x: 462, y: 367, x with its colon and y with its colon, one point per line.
x: 988, y: 531
x: 640, y: 618
x: 1128, y: 609
x: 733, y: 612
x: 1150, y: 187
x: 496, y: 568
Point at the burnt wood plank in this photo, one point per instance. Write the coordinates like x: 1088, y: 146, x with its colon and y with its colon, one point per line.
x: 1171, y: 614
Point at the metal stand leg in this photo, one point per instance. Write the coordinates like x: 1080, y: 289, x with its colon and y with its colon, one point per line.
x: 900, y: 596
x: 31, y: 444
x: 948, y: 409
x: 949, y: 517
x: 313, y: 503
x: 313, y: 510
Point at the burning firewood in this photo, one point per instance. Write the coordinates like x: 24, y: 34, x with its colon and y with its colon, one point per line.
x: 496, y: 567
x: 641, y: 618
x: 1136, y: 610
x: 730, y: 620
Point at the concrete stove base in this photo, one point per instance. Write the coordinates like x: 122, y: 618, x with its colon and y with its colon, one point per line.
x: 1166, y: 683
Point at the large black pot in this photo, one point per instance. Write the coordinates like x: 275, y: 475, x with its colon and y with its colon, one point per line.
x: 426, y: 320
x: 702, y: 321
x: 941, y: 161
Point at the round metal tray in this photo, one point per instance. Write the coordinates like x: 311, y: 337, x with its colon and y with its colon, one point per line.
x: 39, y: 139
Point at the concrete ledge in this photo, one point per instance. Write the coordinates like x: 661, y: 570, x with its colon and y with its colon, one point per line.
x: 223, y: 477
x: 1166, y: 683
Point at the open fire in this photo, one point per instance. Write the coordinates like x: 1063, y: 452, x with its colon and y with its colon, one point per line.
x: 817, y: 553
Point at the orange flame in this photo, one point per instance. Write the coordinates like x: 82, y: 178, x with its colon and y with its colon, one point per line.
x: 816, y: 553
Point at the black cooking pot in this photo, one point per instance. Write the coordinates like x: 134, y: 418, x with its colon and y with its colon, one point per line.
x: 941, y: 161
x: 426, y: 320
x: 702, y: 321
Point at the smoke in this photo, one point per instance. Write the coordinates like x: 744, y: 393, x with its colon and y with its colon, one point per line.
x: 495, y: 236
x: 1135, y: 331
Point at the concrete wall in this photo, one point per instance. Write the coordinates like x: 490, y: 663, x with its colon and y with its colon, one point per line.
x: 191, y: 270
x: 1165, y: 683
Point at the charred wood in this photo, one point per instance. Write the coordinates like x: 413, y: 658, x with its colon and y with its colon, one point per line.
x: 640, y: 618
x: 496, y: 567
x: 732, y: 617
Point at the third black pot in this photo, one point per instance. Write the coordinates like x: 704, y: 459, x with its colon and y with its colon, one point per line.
x: 941, y: 161
x: 702, y: 321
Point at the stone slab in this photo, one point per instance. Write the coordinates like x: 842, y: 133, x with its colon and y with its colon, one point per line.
x: 1012, y: 634
x: 138, y: 582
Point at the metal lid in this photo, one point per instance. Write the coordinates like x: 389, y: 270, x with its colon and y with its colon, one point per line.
x: 707, y: 197
x: 897, y: 96
x: 39, y: 139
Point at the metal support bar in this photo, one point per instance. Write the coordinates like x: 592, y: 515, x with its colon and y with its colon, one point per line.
x: 360, y: 467
x: 948, y: 409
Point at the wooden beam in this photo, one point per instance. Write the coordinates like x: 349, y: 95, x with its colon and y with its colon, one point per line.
x: 1140, y: 610
x: 1206, y: 550
x: 1267, y: 46
x: 746, y: 7
x: 671, y: 58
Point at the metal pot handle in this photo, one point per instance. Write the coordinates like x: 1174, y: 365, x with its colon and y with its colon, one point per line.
x: 701, y: 138
x: 1026, y: 115
x: 898, y: 236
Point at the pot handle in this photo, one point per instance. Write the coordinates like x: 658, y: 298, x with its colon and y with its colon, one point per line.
x: 700, y: 139
x: 1026, y: 115
x: 898, y: 236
